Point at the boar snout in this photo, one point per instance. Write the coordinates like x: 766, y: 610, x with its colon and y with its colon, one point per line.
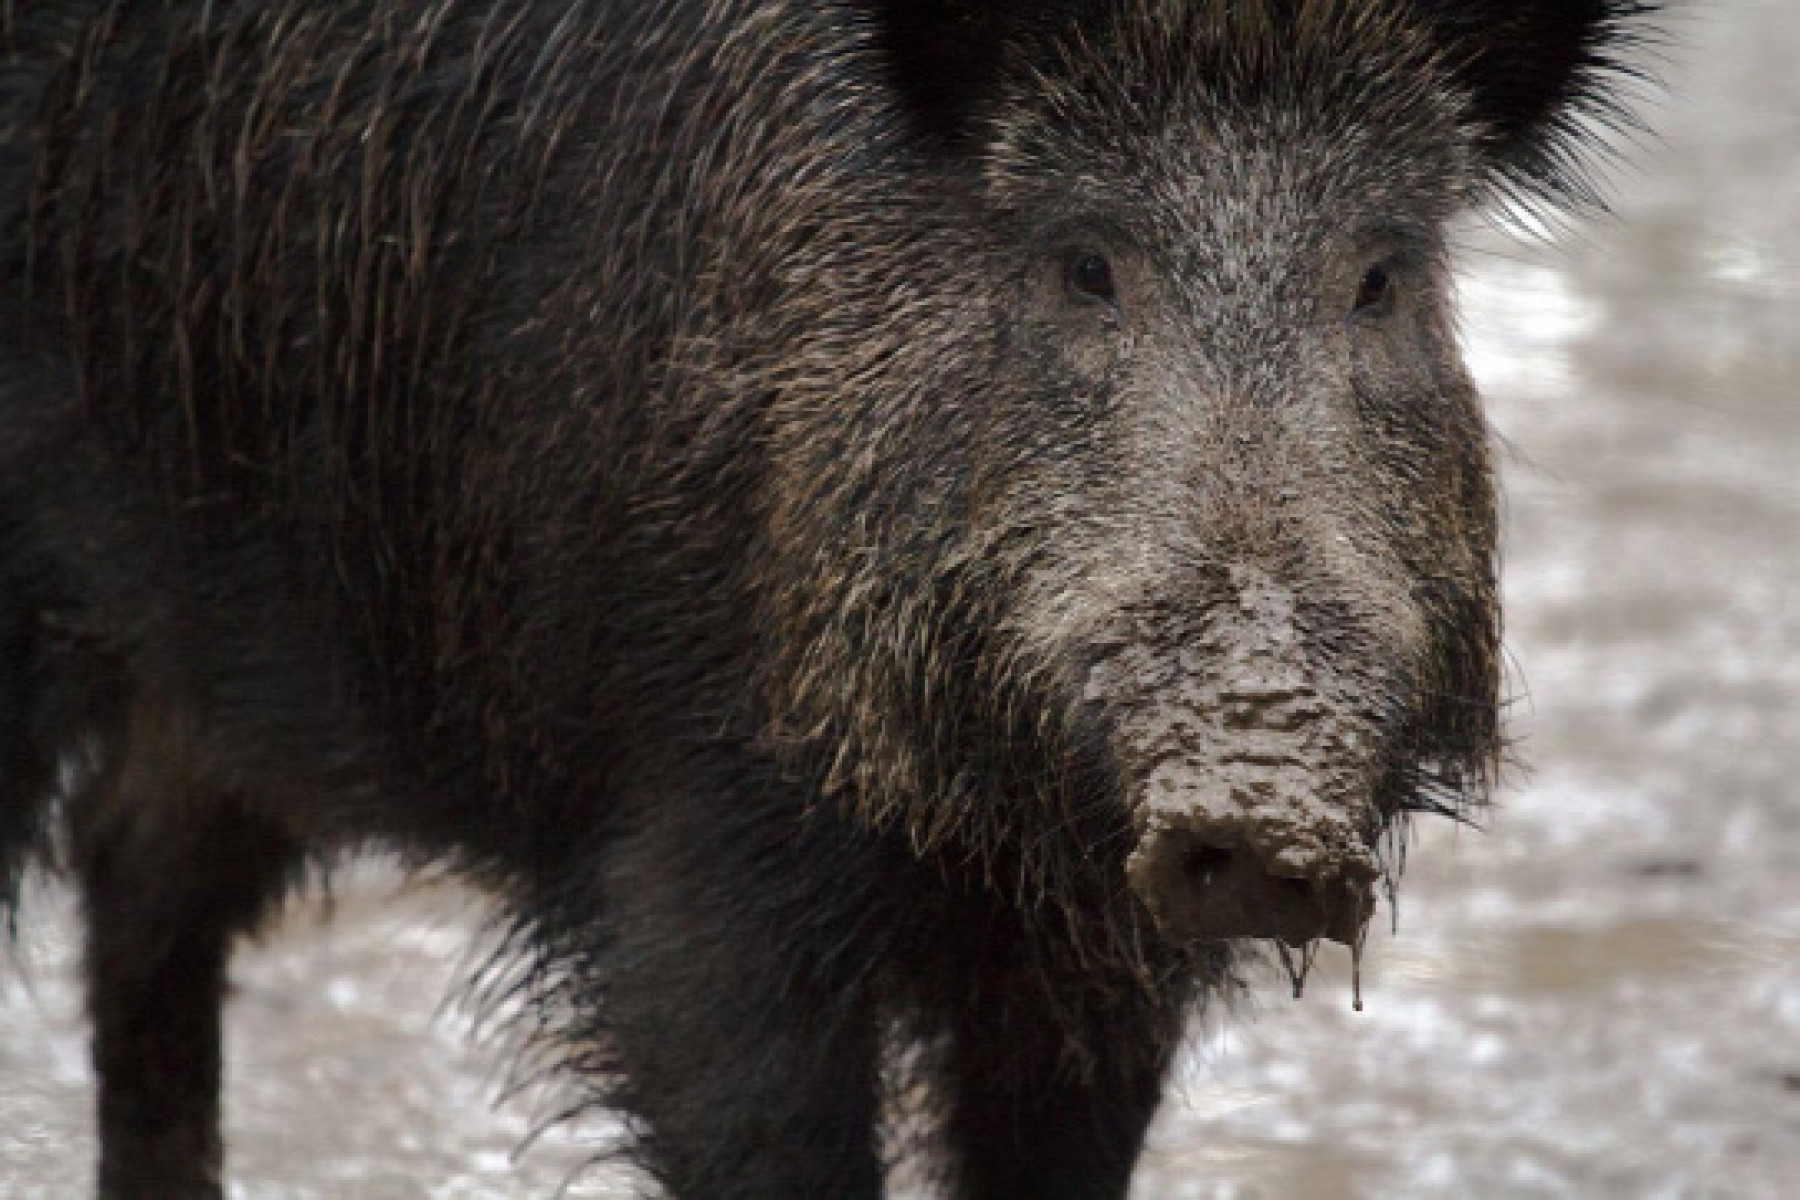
x: 1252, y: 772
x: 1207, y: 877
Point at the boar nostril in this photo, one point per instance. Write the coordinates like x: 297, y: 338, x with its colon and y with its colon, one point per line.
x: 1296, y: 889
x: 1204, y: 862
x: 1214, y: 884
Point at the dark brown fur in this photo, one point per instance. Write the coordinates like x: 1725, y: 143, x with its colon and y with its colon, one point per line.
x: 603, y: 448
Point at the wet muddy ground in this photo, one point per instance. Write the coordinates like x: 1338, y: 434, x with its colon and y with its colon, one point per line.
x: 1598, y: 996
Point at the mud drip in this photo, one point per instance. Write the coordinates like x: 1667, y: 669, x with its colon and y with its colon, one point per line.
x: 1297, y: 974
x: 1298, y: 968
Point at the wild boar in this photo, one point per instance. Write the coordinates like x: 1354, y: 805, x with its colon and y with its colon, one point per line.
x: 861, y: 523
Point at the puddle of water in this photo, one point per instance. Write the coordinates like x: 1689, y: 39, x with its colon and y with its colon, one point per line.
x: 1270, y: 1170
x: 1653, y: 951
x: 1586, y: 964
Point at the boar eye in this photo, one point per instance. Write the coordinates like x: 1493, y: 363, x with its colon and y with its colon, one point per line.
x: 1089, y: 277
x: 1375, y: 295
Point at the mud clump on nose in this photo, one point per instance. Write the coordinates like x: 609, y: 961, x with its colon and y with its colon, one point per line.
x: 1296, y: 876
x: 1251, y: 775
x: 1256, y: 821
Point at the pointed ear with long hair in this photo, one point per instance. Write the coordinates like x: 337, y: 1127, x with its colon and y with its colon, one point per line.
x: 1541, y: 76
x: 944, y: 56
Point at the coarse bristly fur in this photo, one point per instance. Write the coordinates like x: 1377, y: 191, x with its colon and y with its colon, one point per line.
x: 651, y: 459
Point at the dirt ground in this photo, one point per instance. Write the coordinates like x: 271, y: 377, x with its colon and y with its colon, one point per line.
x: 1598, y: 996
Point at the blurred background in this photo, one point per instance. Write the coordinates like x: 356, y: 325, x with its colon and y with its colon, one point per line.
x: 1596, y: 996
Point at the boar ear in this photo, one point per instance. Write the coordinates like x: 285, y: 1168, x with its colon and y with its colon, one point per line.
x: 945, y: 57
x: 1537, y: 73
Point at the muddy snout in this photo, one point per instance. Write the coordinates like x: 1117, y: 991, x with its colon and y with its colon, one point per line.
x: 1256, y: 817
x: 1208, y: 877
x: 1250, y: 773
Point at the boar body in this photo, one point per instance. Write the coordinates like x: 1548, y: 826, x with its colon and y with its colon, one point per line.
x: 860, y: 524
